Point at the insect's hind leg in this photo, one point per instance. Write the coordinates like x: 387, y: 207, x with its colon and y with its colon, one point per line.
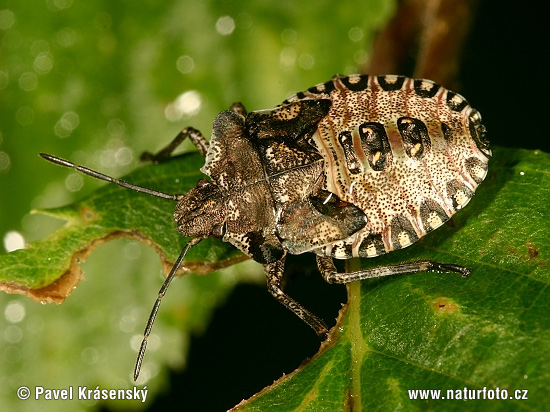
x: 274, y: 272
x: 164, y: 154
x: 331, y: 275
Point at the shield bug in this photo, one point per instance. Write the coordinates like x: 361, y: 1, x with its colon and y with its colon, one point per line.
x: 355, y: 167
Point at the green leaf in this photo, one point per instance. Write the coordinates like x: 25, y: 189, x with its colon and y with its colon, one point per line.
x: 415, y: 332
x: 111, y: 312
x: 118, y: 68
x: 439, y: 331
x: 102, y: 323
x: 422, y: 331
x: 97, y: 82
x: 48, y: 270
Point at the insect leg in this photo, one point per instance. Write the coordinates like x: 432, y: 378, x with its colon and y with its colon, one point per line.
x: 274, y: 272
x: 239, y: 109
x: 164, y: 154
x: 331, y: 275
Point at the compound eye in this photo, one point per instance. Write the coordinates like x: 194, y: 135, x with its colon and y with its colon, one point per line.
x: 202, y: 182
x: 218, y: 230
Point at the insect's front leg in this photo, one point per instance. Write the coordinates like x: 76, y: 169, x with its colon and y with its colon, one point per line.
x: 164, y: 154
x: 274, y: 272
x: 189, y: 132
x: 238, y: 108
x: 331, y: 275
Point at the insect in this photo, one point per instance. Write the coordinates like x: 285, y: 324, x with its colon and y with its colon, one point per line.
x: 358, y: 166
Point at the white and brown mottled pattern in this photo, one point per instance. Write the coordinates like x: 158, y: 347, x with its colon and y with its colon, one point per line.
x: 409, y: 153
x: 357, y: 166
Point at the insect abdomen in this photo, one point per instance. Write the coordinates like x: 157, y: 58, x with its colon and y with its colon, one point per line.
x: 409, y: 153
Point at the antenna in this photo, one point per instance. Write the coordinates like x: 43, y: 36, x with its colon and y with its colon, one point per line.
x: 156, y: 306
x: 82, y: 169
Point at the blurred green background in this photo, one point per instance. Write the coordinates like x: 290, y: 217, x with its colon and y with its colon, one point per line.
x: 101, y: 82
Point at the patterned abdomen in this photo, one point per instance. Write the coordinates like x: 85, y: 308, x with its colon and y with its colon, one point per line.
x: 407, y: 152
